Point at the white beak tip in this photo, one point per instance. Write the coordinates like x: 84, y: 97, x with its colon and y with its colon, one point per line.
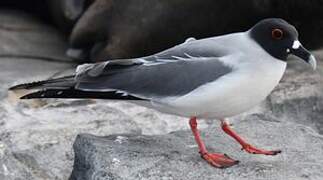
x: 312, y: 62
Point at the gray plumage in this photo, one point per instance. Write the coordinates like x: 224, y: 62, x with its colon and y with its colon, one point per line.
x: 173, y: 72
x: 172, y: 78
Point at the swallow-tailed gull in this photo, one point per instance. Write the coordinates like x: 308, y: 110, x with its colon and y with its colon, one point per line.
x: 216, y: 77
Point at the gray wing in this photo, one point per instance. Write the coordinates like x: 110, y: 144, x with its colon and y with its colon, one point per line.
x: 210, y: 47
x: 174, y: 72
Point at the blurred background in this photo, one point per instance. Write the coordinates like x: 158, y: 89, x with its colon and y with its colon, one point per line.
x: 41, y: 39
x: 96, y: 30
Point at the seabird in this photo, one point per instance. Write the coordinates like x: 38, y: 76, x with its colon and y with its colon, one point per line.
x: 216, y: 77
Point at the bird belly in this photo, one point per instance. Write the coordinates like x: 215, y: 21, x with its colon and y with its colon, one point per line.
x: 228, y: 96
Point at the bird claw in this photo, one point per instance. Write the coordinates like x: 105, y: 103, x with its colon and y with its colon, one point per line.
x: 250, y: 149
x: 219, y: 160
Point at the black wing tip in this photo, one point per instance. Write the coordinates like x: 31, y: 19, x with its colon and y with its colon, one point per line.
x: 17, y: 87
x: 26, y: 85
x: 77, y: 94
x: 25, y: 97
x: 32, y: 95
x: 38, y: 84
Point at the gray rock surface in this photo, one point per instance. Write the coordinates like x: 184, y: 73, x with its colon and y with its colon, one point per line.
x: 29, y: 50
x: 174, y: 156
x: 299, y: 96
x: 24, y: 36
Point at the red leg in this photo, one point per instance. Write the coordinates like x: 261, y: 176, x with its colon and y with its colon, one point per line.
x: 216, y: 160
x: 245, y: 146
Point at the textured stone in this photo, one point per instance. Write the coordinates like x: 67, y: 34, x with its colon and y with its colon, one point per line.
x: 299, y: 95
x: 24, y: 36
x: 174, y: 156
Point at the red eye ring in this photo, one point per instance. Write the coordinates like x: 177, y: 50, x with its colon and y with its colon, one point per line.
x: 277, y: 34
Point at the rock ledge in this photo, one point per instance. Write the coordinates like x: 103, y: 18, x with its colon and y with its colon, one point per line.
x: 174, y: 156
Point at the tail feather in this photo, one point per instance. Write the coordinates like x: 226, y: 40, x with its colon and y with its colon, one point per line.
x: 78, y: 94
x: 64, y: 88
x: 66, y: 81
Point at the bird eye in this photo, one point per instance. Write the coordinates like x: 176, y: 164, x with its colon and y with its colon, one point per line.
x: 277, y: 34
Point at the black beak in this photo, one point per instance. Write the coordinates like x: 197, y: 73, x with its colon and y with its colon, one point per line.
x: 299, y: 51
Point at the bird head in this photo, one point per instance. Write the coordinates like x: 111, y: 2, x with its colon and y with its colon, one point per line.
x: 280, y: 39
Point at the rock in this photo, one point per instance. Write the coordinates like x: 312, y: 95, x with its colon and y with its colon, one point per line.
x: 299, y: 96
x: 30, y: 50
x: 24, y: 36
x: 10, y: 168
x: 41, y: 139
x: 174, y: 156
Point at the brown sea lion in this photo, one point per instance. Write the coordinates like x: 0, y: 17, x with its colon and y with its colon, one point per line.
x: 65, y: 12
x: 128, y: 28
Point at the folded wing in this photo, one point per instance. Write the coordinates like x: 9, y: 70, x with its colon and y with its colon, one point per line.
x: 174, y: 72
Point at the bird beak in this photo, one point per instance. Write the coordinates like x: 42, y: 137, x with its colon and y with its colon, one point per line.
x: 299, y: 51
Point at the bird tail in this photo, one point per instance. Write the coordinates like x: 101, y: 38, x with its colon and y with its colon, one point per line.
x: 64, y: 88
x: 51, y: 88
x: 62, y: 82
x: 77, y: 94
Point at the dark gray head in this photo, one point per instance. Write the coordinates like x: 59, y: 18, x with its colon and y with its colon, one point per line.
x: 279, y: 39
